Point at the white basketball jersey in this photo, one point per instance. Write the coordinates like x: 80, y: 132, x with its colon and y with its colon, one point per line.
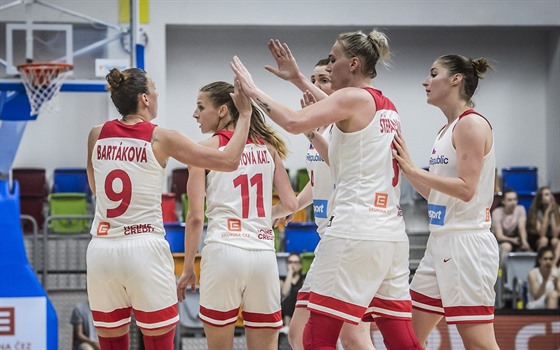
x: 322, y: 184
x: 128, y: 181
x: 240, y: 202
x: 448, y: 213
x: 365, y: 202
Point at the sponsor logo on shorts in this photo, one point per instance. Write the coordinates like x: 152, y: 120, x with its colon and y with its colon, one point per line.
x: 446, y: 260
x: 320, y: 208
x: 234, y: 225
x: 103, y: 228
x: 436, y: 213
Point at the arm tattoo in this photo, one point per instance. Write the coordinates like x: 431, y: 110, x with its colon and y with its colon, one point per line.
x: 263, y: 105
x: 154, y: 138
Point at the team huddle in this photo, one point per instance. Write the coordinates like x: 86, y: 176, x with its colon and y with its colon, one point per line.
x: 356, y: 160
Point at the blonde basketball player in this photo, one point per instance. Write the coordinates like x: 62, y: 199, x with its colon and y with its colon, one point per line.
x: 317, y: 192
x: 361, y: 263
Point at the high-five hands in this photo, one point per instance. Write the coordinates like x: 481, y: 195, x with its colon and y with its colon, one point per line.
x: 287, y: 65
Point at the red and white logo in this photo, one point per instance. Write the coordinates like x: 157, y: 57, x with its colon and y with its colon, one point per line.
x: 380, y: 200
x: 7, y: 321
x: 103, y: 228
x: 234, y: 225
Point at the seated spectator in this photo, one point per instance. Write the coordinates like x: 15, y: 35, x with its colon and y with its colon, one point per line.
x: 508, y: 224
x: 544, y: 286
x: 84, y: 335
x: 290, y: 287
x: 543, y: 222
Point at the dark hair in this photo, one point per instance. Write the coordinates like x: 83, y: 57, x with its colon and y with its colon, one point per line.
x: 471, y: 70
x: 506, y: 191
x: 322, y: 62
x: 125, y: 87
x: 219, y: 93
x: 541, y: 252
x: 369, y: 48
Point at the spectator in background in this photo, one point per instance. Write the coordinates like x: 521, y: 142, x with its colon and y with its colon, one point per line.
x: 84, y: 335
x: 544, y: 286
x: 290, y: 287
x: 508, y: 224
x: 543, y: 223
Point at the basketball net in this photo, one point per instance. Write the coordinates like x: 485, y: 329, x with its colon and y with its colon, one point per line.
x: 42, y: 82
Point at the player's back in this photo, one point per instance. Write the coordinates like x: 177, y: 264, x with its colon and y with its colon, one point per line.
x: 365, y: 202
x: 129, y: 181
x: 239, y: 203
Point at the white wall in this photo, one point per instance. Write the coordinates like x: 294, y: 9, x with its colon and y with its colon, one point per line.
x: 513, y: 97
x: 192, y: 41
x: 553, y: 112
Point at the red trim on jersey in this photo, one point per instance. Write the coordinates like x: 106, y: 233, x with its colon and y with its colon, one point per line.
x: 381, y: 102
x: 219, y: 316
x: 472, y: 111
x: 401, y: 306
x: 114, y: 128
x: 112, y: 316
x: 335, y: 304
x: 226, y: 135
x: 263, y: 319
x: 157, y: 316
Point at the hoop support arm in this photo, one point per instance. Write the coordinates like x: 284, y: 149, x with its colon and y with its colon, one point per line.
x: 79, y: 15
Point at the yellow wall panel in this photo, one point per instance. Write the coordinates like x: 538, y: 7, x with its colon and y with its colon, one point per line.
x: 144, y: 10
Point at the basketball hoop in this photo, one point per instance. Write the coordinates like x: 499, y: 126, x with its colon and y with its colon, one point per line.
x: 42, y: 82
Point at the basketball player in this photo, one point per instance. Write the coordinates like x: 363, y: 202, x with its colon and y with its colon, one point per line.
x: 238, y: 261
x: 457, y: 274
x: 129, y: 264
x: 361, y: 263
x: 317, y: 192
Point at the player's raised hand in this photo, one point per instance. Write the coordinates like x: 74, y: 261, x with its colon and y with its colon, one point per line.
x: 241, y: 101
x: 287, y: 65
x: 245, y: 79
